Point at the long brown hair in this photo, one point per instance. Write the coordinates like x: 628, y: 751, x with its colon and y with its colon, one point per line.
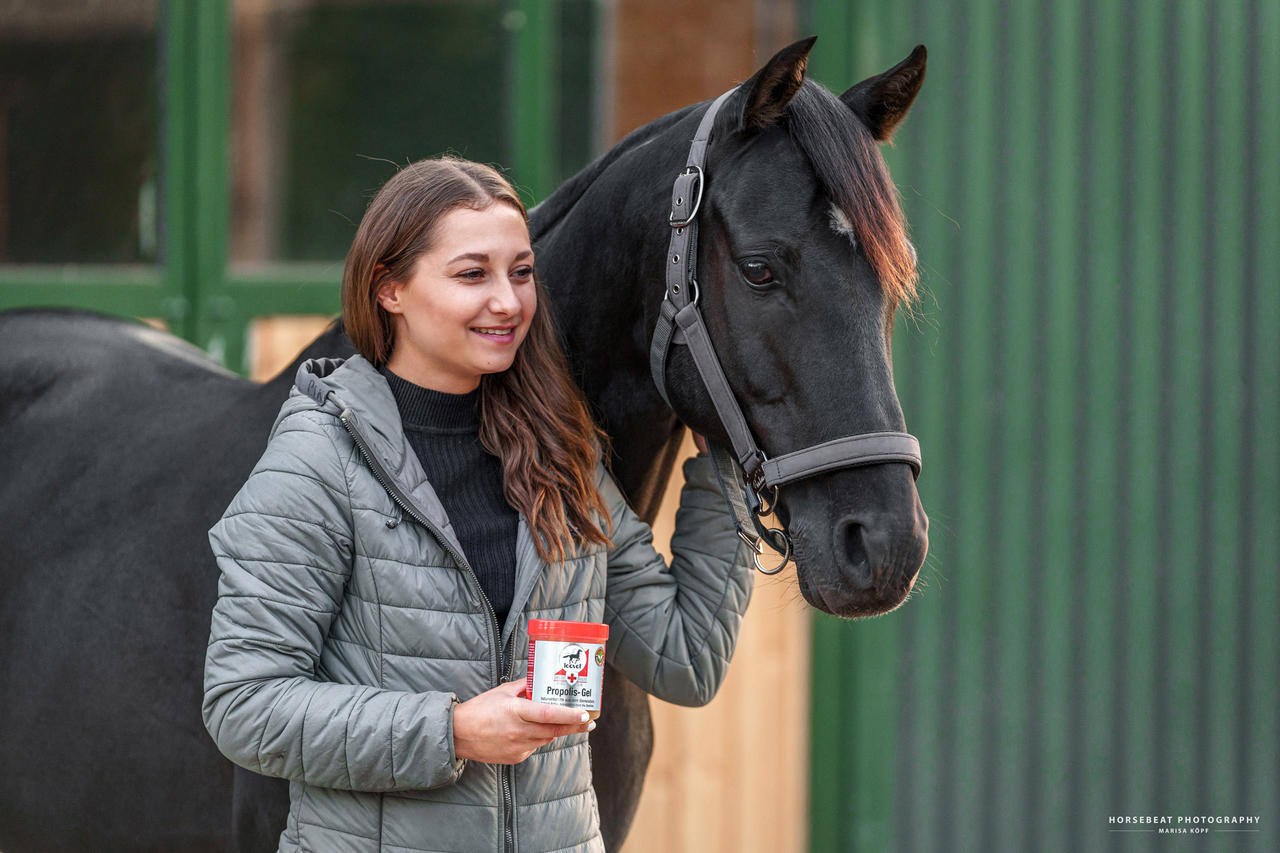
x: 532, y: 416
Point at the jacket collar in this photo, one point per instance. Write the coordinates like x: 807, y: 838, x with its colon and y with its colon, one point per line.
x: 355, y: 386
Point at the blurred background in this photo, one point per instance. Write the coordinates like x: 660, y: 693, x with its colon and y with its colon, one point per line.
x: 1093, y: 368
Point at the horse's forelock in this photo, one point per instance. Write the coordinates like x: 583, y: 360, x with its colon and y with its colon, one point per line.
x: 847, y: 162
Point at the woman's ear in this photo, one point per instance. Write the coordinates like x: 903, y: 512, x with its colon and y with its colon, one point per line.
x: 388, y: 291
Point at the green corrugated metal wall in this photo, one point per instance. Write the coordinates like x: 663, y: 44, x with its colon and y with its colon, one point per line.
x: 1094, y: 374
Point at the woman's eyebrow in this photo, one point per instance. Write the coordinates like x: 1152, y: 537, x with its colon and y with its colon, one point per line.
x: 481, y: 257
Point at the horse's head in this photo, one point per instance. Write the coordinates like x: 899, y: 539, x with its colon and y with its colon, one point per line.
x: 803, y: 262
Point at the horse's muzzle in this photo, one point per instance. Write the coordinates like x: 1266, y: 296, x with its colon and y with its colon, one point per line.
x: 860, y: 540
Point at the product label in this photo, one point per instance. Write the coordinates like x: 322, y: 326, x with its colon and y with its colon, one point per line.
x: 565, y: 673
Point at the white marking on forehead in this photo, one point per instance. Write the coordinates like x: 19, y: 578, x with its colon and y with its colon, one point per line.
x: 840, y: 224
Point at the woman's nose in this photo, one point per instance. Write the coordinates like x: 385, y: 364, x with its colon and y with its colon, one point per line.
x: 503, y: 299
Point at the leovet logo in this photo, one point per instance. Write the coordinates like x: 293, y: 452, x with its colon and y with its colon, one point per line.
x: 573, y: 663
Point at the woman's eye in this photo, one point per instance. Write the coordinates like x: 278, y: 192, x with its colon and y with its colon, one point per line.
x: 472, y: 274
x: 756, y: 272
x: 522, y: 272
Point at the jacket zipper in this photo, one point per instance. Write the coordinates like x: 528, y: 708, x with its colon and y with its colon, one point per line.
x: 508, y: 772
x: 402, y: 500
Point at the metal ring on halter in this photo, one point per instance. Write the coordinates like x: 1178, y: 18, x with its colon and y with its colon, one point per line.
x: 693, y: 296
x: 785, y: 551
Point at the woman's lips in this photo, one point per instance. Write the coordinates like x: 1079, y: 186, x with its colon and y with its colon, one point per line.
x: 497, y: 334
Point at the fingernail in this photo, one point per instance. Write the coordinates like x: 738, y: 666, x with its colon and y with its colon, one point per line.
x: 585, y: 716
x: 591, y: 726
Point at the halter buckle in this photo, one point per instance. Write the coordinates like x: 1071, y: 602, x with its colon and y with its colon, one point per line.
x: 686, y: 197
x: 754, y: 473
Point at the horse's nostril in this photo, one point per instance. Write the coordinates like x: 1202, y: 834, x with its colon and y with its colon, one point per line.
x: 851, y: 544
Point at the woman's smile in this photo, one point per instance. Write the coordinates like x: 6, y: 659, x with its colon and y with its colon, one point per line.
x: 498, y: 334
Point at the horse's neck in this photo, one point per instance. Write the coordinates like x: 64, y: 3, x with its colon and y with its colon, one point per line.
x: 601, y: 243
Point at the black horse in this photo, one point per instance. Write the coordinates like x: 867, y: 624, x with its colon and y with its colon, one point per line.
x: 122, y: 445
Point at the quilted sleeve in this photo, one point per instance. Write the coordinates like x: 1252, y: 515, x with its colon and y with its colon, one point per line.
x: 284, y: 548
x: 673, y: 629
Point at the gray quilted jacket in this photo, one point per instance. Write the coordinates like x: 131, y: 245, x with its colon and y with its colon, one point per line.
x: 348, y: 625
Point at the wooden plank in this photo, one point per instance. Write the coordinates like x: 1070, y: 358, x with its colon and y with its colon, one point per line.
x: 274, y: 342
x: 662, y: 65
x: 731, y: 776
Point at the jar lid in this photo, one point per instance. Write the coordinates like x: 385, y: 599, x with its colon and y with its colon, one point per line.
x: 560, y: 629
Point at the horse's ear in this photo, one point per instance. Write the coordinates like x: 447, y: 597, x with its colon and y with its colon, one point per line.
x: 882, y: 101
x: 772, y: 87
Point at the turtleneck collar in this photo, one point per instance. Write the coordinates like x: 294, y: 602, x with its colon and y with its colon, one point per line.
x: 437, y: 411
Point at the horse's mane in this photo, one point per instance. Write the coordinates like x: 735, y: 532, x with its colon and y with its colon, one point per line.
x: 851, y: 171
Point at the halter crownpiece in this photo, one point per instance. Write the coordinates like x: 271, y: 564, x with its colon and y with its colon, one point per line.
x: 680, y: 322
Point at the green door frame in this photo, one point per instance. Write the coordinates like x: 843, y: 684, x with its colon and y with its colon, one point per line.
x: 193, y: 289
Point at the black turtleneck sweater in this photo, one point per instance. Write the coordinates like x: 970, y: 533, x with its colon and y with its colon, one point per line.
x: 443, y: 430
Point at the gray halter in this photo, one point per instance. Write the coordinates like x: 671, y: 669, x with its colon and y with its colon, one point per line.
x: 680, y: 322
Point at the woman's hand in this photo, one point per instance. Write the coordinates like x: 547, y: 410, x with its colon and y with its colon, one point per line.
x: 498, y: 727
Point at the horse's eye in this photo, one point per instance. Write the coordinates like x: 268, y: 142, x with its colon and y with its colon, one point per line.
x: 756, y: 272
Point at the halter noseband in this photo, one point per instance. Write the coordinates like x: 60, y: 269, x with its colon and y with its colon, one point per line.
x: 680, y: 322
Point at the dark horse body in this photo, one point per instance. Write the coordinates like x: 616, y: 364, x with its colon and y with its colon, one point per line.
x: 121, y: 446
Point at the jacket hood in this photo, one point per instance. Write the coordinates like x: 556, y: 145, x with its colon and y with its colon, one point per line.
x: 312, y: 373
x: 353, y: 386
x: 353, y: 391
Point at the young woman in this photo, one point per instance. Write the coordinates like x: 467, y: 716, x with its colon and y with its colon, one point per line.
x: 416, y: 505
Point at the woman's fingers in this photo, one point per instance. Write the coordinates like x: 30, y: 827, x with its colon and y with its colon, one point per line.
x: 500, y: 727
x: 554, y: 720
x: 550, y: 715
x: 577, y: 729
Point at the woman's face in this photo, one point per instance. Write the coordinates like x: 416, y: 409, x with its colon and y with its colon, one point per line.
x: 468, y: 302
